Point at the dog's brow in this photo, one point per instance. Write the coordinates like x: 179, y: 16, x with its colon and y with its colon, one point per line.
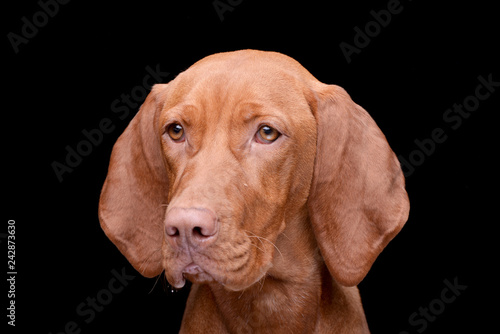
x: 251, y: 110
x: 181, y: 112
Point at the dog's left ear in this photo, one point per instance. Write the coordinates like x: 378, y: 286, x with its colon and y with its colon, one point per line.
x: 358, y: 201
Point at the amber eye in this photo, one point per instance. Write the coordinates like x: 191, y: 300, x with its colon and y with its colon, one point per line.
x: 267, y: 134
x: 176, y: 132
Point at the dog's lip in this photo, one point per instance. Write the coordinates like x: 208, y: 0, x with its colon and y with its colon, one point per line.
x: 192, y: 268
x: 194, y: 273
x: 202, y: 269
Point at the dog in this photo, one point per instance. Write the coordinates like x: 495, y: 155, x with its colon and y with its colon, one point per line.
x: 273, y: 193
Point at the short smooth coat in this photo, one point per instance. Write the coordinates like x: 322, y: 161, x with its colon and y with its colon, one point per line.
x: 272, y: 192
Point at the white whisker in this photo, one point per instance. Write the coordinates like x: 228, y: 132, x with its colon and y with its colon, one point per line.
x: 257, y: 246
x: 262, y: 238
x: 156, y: 281
x: 147, y: 261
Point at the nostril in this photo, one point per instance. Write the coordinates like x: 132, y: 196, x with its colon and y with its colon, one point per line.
x: 202, y: 232
x: 172, y: 231
x: 197, y: 232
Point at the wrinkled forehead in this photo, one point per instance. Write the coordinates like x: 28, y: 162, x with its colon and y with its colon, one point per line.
x: 222, y: 87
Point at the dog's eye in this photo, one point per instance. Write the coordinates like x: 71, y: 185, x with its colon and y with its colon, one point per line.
x: 176, y: 132
x: 267, y: 134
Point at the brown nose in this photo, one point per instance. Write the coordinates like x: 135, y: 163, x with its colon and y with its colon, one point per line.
x: 197, y: 226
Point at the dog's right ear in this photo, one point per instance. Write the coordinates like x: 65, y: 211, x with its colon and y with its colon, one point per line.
x: 134, y: 195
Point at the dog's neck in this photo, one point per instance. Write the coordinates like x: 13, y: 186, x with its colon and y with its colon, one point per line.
x: 271, y: 306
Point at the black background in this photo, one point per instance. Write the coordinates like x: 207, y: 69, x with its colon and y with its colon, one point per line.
x: 65, y: 78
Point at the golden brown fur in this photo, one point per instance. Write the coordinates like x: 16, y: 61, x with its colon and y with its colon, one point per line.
x: 274, y: 236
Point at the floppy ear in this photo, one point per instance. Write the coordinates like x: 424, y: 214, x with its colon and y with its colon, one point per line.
x: 136, y: 187
x: 358, y: 201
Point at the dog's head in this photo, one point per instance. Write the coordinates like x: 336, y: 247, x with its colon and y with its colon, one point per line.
x: 222, y: 160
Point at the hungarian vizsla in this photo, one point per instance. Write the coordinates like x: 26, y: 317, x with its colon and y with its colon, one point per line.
x: 271, y: 192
